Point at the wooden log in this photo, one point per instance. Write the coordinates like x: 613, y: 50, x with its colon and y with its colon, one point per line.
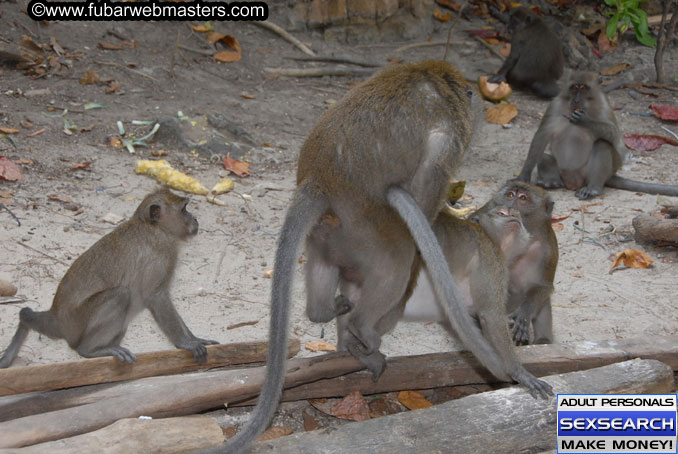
x: 507, y: 420
x: 18, y: 380
x: 179, y: 395
x: 403, y: 373
x: 653, y: 230
x: 159, y: 436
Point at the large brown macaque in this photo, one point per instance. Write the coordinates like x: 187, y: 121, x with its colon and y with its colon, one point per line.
x: 585, y: 143
x: 126, y: 271
x: 536, y: 60
x: 379, y: 162
x: 532, y: 268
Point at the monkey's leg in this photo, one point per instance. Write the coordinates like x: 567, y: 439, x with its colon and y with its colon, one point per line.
x: 106, y: 325
x: 547, y: 89
x: 600, y: 169
x: 322, y: 280
x: 542, y: 324
x: 548, y: 175
x: 171, y: 323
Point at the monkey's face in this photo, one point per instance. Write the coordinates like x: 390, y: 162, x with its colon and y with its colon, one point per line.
x: 579, y: 94
x: 189, y: 221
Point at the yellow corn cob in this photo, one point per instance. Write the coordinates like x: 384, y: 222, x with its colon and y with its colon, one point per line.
x: 164, y: 173
x: 222, y: 187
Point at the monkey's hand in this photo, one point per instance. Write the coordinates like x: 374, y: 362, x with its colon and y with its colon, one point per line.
x: 197, y: 347
x: 497, y: 78
x: 520, y: 328
x: 578, y: 117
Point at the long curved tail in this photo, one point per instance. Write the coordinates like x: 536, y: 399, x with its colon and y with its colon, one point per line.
x: 17, y: 341
x: 444, y: 284
x: 307, y: 207
x: 618, y: 182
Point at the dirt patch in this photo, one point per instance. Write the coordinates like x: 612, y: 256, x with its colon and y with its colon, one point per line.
x: 221, y: 279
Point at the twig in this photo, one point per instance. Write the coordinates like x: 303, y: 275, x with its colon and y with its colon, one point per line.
x: 318, y: 72
x: 283, y: 34
x: 670, y: 132
x: 11, y: 299
x: 2, y: 205
x: 42, y: 253
x: 196, y: 51
x: 133, y: 71
x: 449, y: 31
x: 492, y: 49
x: 347, y: 60
x: 426, y: 44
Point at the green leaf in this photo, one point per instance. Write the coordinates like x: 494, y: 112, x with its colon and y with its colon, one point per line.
x: 646, y: 40
x: 610, y: 2
x: 611, y: 28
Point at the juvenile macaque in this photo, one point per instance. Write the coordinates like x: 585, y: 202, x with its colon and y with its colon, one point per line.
x: 532, y: 267
x: 126, y: 271
x: 585, y: 143
x: 379, y: 161
x: 536, y: 60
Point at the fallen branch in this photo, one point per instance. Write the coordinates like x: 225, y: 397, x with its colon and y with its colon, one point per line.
x: 653, y: 230
x: 284, y: 34
x: 166, y: 436
x: 168, y: 396
x: 207, y: 53
x: 507, y: 420
x: 346, y: 60
x: 426, y: 44
x: 17, y: 380
x: 44, y: 254
x: 489, y: 46
x: 318, y: 72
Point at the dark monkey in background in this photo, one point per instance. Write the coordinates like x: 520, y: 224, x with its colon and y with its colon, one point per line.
x: 126, y: 271
x: 536, y: 60
x: 380, y: 162
x: 585, y: 143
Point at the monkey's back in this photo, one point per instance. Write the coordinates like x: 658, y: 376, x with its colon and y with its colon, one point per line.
x: 541, y: 57
x: 130, y: 256
x: 377, y: 136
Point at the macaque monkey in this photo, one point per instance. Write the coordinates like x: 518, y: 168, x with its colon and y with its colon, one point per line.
x: 532, y: 268
x: 585, y: 143
x: 536, y: 60
x: 126, y: 271
x: 379, y: 161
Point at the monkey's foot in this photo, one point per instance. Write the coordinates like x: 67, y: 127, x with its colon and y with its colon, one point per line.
x: 497, y: 78
x: 342, y: 305
x: 550, y: 184
x: 536, y: 387
x: 197, y: 347
x: 520, y: 330
x: 375, y: 362
x: 588, y: 192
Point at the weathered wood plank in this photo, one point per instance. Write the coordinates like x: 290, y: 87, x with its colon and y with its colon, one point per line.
x: 18, y: 380
x: 159, y: 436
x: 507, y: 420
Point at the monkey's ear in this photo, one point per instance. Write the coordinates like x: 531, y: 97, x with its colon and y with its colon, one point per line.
x: 154, y: 212
x: 475, y: 219
x: 548, y: 205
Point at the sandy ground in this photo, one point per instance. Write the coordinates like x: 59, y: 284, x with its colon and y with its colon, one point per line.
x: 220, y: 278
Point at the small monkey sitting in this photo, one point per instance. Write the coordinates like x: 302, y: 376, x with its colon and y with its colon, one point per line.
x: 126, y: 271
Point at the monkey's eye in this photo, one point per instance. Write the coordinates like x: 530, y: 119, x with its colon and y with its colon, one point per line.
x: 510, y: 195
x: 469, y: 92
x: 522, y: 196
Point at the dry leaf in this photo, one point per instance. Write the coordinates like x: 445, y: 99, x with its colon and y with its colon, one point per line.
x: 89, y: 78
x: 320, y: 347
x: 28, y: 43
x: 24, y: 161
x: 113, y: 87
x: 115, y: 142
x: 26, y: 123
x: 9, y: 171
x: 241, y: 324
x: 604, y: 44
x: 110, y: 46
x: 81, y: 165
x: 616, y: 69
x: 229, y: 432
x: 414, y: 400
x: 268, y: 274
x: 561, y: 217
x: 385, y: 406
x: 6, y: 130
x: 501, y: 114
x: 557, y: 227
x: 484, y: 34
x: 353, y: 407
x: 247, y: 96
x: 227, y: 56
x: 647, y: 142
x: 200, y: 28
x: 632, y: 258
x: 664, y: 112
x: 442, y: 17
x: 214, y: 37
x: 456, y: 7
x: 158, y: 153
x: 58, y: 198
x: 585, y: 208
x: 310, y: 424
x: 275, y: 432
x: 240, y: 168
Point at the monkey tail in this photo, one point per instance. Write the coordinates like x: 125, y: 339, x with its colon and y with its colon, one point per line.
x: 42, y: 322
x: 17, y: 341
x: 444, y: 284
x: 618, y: 182
x: 308, y: 205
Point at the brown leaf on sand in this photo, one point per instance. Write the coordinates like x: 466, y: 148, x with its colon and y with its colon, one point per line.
x: 616, y: 69
x: 632, y: 258
x: 414, y: 400
x: 501, y: 114
x: 9, y: 171
x: 442, y: 17
x: 647, y: 142
x: 352, y: 407
x: 275, y: 432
